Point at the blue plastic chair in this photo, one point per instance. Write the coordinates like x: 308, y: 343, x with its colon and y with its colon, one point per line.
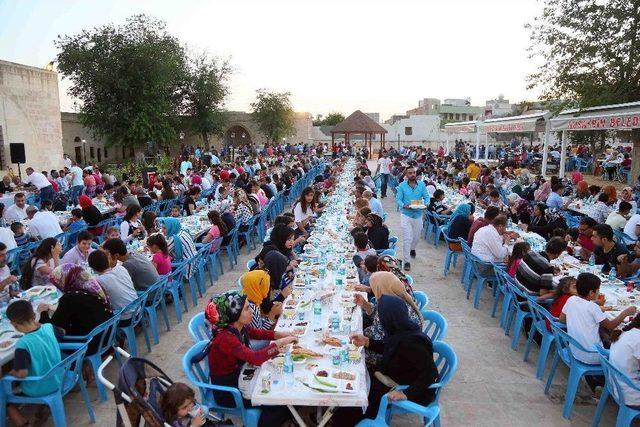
x: 517, y: 306
x: 212, y: 258
x: 198, y: 328
x: 451, y: 256
x: 251, y: 263
x: 421, y: 299
x: 155, y: 298
x: 435, y: 325
x: 429, y: 225
x: 197, y: 372
x: 576, y: 368
x: 393, y: 241
x: 447, y: 364
x: 175, y: 287
x: 389, y: 252
x: 136, y: 308
x: 69, y: 369
x: 481, y: 277
x: 409, y: 279
x: 540, y: 316
x: 203, y: 266
x: 440, y: 220
x: 467, y: 269
x: 614, y: 380
x: 248, y: 234
x: 500, y: 289
x: 106, y: 336
x: 231, y: 247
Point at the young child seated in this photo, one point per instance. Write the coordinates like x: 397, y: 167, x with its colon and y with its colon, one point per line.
x: 584, y: 318
x: 175, y: 211
x: 161, y: 260
x: 177, y: 403
x: 566, y: 288
x: 628, y: 265
x: 361, y: 242
x: 113, y: 233
x: 76, y: 222
x: 19, y: 235
x: 36, y: 352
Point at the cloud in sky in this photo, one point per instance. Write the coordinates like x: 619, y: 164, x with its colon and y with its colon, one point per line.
x: 379, y: 56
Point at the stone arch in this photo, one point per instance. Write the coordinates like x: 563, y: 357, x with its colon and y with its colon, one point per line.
x: 237, y: 136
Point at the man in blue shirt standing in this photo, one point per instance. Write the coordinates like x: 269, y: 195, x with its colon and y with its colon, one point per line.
x: 411, y: 191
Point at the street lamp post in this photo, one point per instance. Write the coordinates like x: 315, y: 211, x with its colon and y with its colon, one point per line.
x: 84, y: 149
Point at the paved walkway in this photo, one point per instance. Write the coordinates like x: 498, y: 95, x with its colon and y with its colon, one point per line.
x: 492, y: 387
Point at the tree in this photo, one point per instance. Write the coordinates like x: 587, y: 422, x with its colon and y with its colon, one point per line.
x: 590, y: 53
x: 205, y: 93
x: 129, y: 80
x: 331, y: 119
x: 274, y: 114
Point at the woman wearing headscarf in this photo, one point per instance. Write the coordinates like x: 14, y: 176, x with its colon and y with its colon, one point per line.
x: 90, y: 213
x: 519, y: 209
x: 538, y: 218
x: 582, y: 190
x: 281, y: 239
x: 406, y: 358
x: 610, y: 191
x: 179, y: 242
x: 459, y: 224
x: 83, y: 305
x: 627, y: 195
x: 230, y: 316
x: 576, y: 177
x: 280, y: 274
x: 553, y: 218
x: 542, y: 193
x: 242, y: 209
x: 384, y: 283
x: 256, y: 285
x: 377, y: 232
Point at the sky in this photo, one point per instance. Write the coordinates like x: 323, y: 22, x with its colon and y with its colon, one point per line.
x: 332, y: 55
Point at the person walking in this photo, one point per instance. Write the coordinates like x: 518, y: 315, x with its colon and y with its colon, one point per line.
x: 411, y: 192
x: 384, y: 168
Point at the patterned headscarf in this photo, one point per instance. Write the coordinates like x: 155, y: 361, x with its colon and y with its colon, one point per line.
x: 70, y: 278
x: 224, y: 309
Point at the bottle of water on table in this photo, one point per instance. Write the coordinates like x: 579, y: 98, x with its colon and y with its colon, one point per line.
x: 592, y: 262
x: 612, y: 275
x: 335, y: 322
x: 288, y: 368
x: 317, y: 313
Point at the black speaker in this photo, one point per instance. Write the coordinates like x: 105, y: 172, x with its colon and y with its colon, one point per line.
x: 17, y: 153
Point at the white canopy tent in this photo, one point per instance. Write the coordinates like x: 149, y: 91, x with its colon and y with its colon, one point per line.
x: 517, y: 124
x: 605, y: 117
x: 462, y: 127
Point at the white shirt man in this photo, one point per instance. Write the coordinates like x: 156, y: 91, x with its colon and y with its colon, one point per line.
x: 384, y: 165
x: 632, y: 229
x: 488, y: 245
x: 17, y: 211
x: 38, y: 180
x: 6, y: 237
x: 67, y: 162
x: 76, y: 176
x: 44, y: 224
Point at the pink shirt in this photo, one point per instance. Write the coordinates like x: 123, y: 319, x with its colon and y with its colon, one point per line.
x: 514, y: 268
x: 163, y: 263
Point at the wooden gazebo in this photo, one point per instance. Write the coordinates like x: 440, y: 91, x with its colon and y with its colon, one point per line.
x: 359, y: 123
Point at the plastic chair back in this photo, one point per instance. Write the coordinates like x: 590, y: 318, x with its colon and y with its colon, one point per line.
x: 614, y: 378
x: 565, y: 343
x: 198, y: 328
x: 435, y: 325
x: 421, y: 299
x: 250, y: 264
x: 107, y: 332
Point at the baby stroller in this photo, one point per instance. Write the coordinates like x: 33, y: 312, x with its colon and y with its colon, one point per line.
x: 141, y: 385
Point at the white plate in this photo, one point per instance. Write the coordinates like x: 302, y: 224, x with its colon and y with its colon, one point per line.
x: 7, y: 335
x: 417, y: 206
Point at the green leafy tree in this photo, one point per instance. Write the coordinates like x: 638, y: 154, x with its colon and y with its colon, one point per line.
x: 331, y: 119
x: 128, y: 80
x: 274, y: 114
x: 590, y: 56
x: 205, y: 94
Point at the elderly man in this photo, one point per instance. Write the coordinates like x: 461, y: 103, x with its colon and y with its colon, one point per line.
x: 17, y: 211
x: 6, y: 186
x: 374, y: 204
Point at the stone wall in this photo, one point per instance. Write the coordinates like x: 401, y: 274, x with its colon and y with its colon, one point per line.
x: 30, y: 114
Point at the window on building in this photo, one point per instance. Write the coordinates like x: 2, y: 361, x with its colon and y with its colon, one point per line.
x: 105, y: 152
x: 408, y: 130
x: 99, y: 155
x: 457, y: 116
x: 91, y: 152
x: 78, y: 154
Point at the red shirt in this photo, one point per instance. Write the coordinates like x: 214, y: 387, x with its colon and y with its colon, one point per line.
x: 228, y: 353
x: 475, y: 226
x: 586, y: 242
x: 556, y: 307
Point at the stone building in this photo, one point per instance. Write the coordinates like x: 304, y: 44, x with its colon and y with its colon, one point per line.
x: 30, y: 115
x: 240, y: 130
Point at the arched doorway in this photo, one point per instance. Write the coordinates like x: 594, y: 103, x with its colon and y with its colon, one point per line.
x: 237, y: 136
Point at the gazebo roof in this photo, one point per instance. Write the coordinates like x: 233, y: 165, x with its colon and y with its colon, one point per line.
x: 358, y: 122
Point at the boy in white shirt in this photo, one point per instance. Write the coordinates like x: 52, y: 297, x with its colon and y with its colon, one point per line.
x: 584, y: 318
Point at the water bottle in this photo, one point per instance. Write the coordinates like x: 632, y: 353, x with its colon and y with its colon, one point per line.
x: 335, y: 322
x: 288, y: 368
x: 317, y: 312
x: 344, y: 353
x: 509, y: 223
x: 612, y: 275
x: 592, y: 260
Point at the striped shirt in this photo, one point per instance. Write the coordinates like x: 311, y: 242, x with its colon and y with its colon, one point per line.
x: 535, y: 272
